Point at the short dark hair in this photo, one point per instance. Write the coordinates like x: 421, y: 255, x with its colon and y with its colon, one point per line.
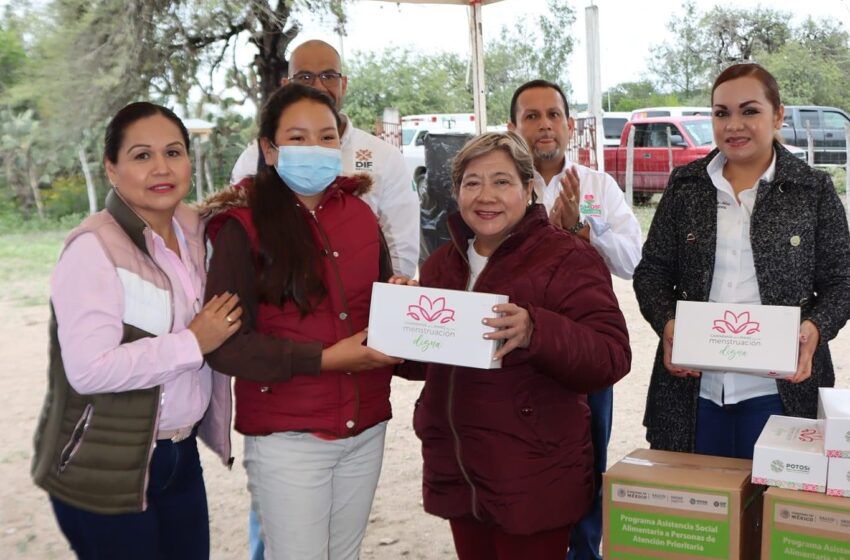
x: 128, y: 115
x: 751, y: 70
x: 538, y: 84
x: 511, y: 143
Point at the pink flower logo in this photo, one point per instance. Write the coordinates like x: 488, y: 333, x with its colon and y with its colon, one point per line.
x: 431, y: 311
x: 808, y: 435
x: 736, y: 324
x: 588, y: 197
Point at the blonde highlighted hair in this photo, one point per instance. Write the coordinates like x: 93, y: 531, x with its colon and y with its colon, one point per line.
x: 509, y: 142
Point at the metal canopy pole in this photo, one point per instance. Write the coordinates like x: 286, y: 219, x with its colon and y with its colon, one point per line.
x: 479, y: 98
x: 594, y: 82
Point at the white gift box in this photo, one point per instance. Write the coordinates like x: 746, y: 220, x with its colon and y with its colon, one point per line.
x: 838, y: 477
x: 433, y: 325
x: 789, y: 454
x: 834, y: 410
x: 757, y: 339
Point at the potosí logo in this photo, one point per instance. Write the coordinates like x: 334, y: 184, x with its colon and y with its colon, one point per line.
x: 777, y: 466
x: 799, y: 469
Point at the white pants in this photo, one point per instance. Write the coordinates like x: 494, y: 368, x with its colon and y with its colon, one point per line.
x: 313, y: 496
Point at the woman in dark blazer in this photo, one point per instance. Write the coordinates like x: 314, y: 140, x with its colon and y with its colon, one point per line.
x: 749, y: 223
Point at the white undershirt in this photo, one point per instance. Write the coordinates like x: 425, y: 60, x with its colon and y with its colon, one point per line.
x: 476, y: 264
x: 734, y: 278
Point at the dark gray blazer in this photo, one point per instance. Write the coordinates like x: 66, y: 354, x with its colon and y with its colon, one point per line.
x: 678, y: 263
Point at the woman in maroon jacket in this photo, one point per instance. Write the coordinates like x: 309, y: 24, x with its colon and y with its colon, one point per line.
x: 508, y: 457
x: 302, y: 252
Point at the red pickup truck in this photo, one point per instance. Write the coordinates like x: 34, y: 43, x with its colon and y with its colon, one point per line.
x: 690, y: 138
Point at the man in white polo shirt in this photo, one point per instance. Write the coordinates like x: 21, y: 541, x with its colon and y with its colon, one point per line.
x: 589, y: 204
x: 392, y: 198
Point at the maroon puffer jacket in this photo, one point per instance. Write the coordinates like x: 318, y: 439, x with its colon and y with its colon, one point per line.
x: 511, y: 446
x: 338, y: 403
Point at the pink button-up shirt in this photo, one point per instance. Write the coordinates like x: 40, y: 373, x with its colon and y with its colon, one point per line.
x: 88, y: 299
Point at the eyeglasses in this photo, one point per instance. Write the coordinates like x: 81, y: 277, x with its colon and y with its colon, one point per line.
x: 329, y: 79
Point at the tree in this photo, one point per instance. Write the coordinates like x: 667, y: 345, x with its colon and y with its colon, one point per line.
x: 12, y: 55
x: 526, y: 52
x: 734, y: 34
x: 98, y: 55
x: 410, y: 82
x: 813, y: 67
x: 680, y: 65
x: 84, y: 59
x: 439, y: 83
x: 704, y: 44
x: 628, y: 96
x: 21, y: 154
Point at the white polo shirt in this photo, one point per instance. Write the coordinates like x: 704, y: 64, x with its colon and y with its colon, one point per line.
x: 614, y: 230
x: 392, y: 198
x: 734, y: 279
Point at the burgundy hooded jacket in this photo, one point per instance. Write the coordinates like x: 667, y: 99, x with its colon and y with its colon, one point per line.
x: 511, y: 446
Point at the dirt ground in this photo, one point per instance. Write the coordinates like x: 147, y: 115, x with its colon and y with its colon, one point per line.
x: 398, y: 528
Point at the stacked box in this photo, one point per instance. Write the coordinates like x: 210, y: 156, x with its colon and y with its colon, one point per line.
x: 834, y: 410
x: 838, y: 477
x: 789, y: 454
x: 805, y: 525
x: 660, y: 504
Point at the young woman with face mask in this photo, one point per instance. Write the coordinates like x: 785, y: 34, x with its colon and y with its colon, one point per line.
x: 302, y: 251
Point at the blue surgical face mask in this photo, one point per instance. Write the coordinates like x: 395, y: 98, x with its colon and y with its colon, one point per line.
x: 308, y: 170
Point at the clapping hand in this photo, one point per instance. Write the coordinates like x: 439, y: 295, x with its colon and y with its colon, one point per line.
x: 565, y: 212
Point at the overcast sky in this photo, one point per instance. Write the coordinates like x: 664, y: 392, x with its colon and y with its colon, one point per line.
x: 628, y: 29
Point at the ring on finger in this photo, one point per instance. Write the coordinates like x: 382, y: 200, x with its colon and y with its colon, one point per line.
x: 229, y: 319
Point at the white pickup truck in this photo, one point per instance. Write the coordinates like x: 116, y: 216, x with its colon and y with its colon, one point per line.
x: 415, y: 127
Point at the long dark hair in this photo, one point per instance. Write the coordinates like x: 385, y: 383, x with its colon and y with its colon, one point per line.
x: 289, y: 261
x: 131, y: 113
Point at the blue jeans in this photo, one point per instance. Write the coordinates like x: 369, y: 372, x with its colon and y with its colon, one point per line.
x: 174, y: 525
x: 257, y: 550
x: 587, y: 533
x: 732, y: 430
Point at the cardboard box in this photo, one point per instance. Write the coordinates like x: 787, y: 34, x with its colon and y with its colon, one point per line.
x: 659, y: 504
x: 838, y: 477
x: 789, y: 454
x: 431, y: 325
x: 834, y: 410
x: 805, y: 525
x: 757, y: 339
